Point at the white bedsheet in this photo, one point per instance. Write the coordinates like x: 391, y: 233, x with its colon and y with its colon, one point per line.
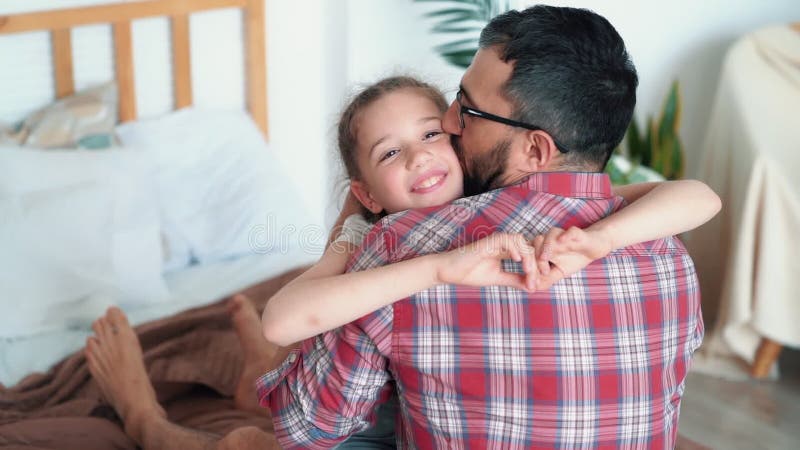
x: 189, y: 288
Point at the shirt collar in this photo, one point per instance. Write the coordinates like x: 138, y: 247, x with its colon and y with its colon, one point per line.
x: 570, y: 184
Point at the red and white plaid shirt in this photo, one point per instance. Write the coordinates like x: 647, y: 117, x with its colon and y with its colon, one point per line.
x: 598, y: 361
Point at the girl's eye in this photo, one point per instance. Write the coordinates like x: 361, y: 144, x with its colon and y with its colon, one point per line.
x: 432, y: 134
x: 389, y: 154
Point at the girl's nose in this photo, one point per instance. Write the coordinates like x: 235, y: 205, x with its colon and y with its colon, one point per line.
x: 419, y: 156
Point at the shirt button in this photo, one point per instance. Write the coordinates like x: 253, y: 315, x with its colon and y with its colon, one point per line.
x: 292, y: 358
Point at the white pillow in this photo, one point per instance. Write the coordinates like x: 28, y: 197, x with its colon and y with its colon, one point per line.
x: 221, y: 190
x: 75, y: 227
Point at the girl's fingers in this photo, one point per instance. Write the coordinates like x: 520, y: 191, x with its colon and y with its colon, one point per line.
x: 531, y: 278
x: 529, y: 265
x: 517, y: 248
x: 514, y: 246
x: 504, y: 245
x: 539, y: 246
x: 549, y: 245
x: 551, y: 240
x: 546, y: 253
x: 537, y: 243
x: 513, y: 280
x: 545, y: 282
x: 544, y: 264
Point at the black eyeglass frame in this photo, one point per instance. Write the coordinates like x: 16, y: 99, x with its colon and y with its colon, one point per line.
x: 489, y: 116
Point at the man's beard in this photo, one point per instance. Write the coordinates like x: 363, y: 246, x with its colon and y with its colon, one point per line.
x: 484, y: 171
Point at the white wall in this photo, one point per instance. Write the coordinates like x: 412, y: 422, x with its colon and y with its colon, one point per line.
x: 318, y: 49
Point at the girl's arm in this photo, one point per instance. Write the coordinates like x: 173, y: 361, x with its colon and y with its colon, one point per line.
x: 324, y: 297
x: 656, y: 210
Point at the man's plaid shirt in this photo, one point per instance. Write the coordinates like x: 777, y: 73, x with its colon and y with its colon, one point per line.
x: 598, y: 361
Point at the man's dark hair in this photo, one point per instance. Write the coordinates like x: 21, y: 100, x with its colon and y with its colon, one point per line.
x: 572, y: 77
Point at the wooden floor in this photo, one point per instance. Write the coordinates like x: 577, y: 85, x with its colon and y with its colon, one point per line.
x: 744, y: 415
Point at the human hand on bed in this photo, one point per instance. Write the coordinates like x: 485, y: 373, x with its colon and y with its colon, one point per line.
x: 561, y: 253
x: 480, y: 263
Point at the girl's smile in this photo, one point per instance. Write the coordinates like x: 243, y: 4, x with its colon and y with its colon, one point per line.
x: 429, y: 181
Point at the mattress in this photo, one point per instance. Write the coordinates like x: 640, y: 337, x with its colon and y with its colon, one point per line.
x: 192, y: 287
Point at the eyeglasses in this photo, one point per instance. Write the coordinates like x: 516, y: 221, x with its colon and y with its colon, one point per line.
x: 489, y: 116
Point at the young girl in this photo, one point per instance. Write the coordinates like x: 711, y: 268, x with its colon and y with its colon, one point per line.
x: 397, y: 157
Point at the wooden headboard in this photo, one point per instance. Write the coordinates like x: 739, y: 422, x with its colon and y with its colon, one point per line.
x: 120, y: 15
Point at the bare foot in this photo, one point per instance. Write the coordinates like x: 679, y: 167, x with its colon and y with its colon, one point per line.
x: 116, y: 363
x: 256, y: 352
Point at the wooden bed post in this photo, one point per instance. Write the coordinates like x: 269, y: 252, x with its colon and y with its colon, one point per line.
x: 255, y: 61
x: 123, y: 56
x: 62, y: 62
x: 181, y: 61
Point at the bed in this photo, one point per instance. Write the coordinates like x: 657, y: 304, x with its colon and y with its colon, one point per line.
x: 114, y: 201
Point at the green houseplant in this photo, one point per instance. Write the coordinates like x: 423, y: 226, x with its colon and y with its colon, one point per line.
x: 655, y: 154
x: 464, y: 20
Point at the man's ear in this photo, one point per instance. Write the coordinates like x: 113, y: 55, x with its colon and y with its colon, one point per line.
x: 540, y: 152
x: 361, y: 192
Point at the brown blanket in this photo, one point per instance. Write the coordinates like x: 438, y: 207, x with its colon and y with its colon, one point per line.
x: 193, y: 358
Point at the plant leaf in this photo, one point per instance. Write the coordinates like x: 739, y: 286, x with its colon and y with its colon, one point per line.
x: 647, y: 148
x: 677, y: 160
x: 500, y: 6
x: 635, y: 144
x: 666, y: 156
x: 671, y: 158
x: 461, y: 16
x: 455, y: 29
x: 457, y: 2
x: 656, y: 153
x: 460, y: 44
x: 670, y: 113
x: 460, y: 58
x: 458, y: 14
x: 460, y: 21
x: 616, y: 174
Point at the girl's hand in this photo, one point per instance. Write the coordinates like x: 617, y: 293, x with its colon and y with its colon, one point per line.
x: 479, y: 263
x: 560, y: 253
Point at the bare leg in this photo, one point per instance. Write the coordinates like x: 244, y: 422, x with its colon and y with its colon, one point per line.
x: 115, y: 360
x: 257, y: 355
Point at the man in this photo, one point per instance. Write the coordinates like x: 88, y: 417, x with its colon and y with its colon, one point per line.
x: 599, y: 360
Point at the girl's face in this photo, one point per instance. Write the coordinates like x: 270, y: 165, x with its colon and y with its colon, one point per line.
x: 406, y: 160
